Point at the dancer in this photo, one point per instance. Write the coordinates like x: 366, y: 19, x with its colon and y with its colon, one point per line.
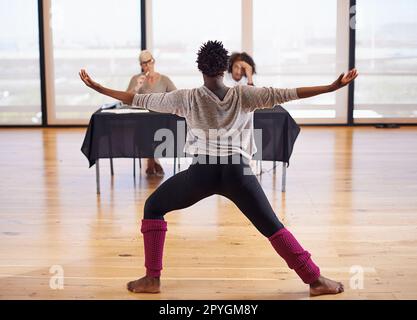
x: 214, y: 106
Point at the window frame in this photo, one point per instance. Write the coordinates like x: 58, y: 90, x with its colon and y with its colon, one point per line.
x: 346, y: 44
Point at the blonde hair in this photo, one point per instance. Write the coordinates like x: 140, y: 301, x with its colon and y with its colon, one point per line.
x: 145, y: 53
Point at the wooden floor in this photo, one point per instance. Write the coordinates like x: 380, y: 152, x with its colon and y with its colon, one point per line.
x: 351, y: 200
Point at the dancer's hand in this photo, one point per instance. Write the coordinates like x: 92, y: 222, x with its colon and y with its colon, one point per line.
x: 344, y: 79
x: 124, y: 96
x: 88, y: 81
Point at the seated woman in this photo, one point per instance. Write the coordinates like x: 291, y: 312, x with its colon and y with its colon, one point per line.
x: 150, y: 81
x: 241, y: 70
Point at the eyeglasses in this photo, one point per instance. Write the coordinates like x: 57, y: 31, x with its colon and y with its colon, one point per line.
x: 146, y: 62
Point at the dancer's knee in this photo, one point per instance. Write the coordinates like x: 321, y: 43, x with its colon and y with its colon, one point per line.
x: 153, y: 209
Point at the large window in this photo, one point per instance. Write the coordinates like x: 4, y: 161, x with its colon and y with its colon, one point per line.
x: 297, y: 43
x: 180, y: 27
x: 386, y: 56
x: 294, y: 43
x: 20, y: 92
x: 102, y: 36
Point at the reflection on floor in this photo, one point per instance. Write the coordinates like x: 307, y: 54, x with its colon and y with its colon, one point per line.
x: 351, y: 200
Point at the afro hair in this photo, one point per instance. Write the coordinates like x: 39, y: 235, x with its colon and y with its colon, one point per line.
x: 212, y: 58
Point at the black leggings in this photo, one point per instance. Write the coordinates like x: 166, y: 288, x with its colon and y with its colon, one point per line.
x: 200, y: 181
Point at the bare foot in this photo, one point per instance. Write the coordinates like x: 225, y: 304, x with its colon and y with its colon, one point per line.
x: 159, y: 170
x: 325, y: 286
x: 144, y: 285
x: 150, y: 171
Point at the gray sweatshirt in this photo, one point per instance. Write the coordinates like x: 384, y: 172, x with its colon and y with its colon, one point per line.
x: 217, y: 127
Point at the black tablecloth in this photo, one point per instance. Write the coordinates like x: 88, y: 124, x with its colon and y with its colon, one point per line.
x: 129, y: 135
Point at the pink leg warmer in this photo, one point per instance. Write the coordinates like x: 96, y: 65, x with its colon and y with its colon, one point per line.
x: 295, y: 256
x: 153, y: 239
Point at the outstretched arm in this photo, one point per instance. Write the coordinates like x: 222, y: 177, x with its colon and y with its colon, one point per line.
x: 260, y: 98
x: 343, y: 80
x: 125, y: 97
x: 174, y: 102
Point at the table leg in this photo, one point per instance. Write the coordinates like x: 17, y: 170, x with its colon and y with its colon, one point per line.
x: 134, y: 167
x: 111, y: 166
x: 284, y: 176
x: 274, y: 168
x: 98, y: 176
x: 175, y: 164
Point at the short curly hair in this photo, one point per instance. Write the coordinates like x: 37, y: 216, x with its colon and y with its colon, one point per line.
x: 241, y: 56
x: 212, y: 58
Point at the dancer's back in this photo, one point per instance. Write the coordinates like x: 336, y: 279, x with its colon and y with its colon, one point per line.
x: 215, y: 126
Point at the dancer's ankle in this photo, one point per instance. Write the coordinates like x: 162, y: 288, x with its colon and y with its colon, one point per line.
x: 152, y: 276
x: 317, y: 282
